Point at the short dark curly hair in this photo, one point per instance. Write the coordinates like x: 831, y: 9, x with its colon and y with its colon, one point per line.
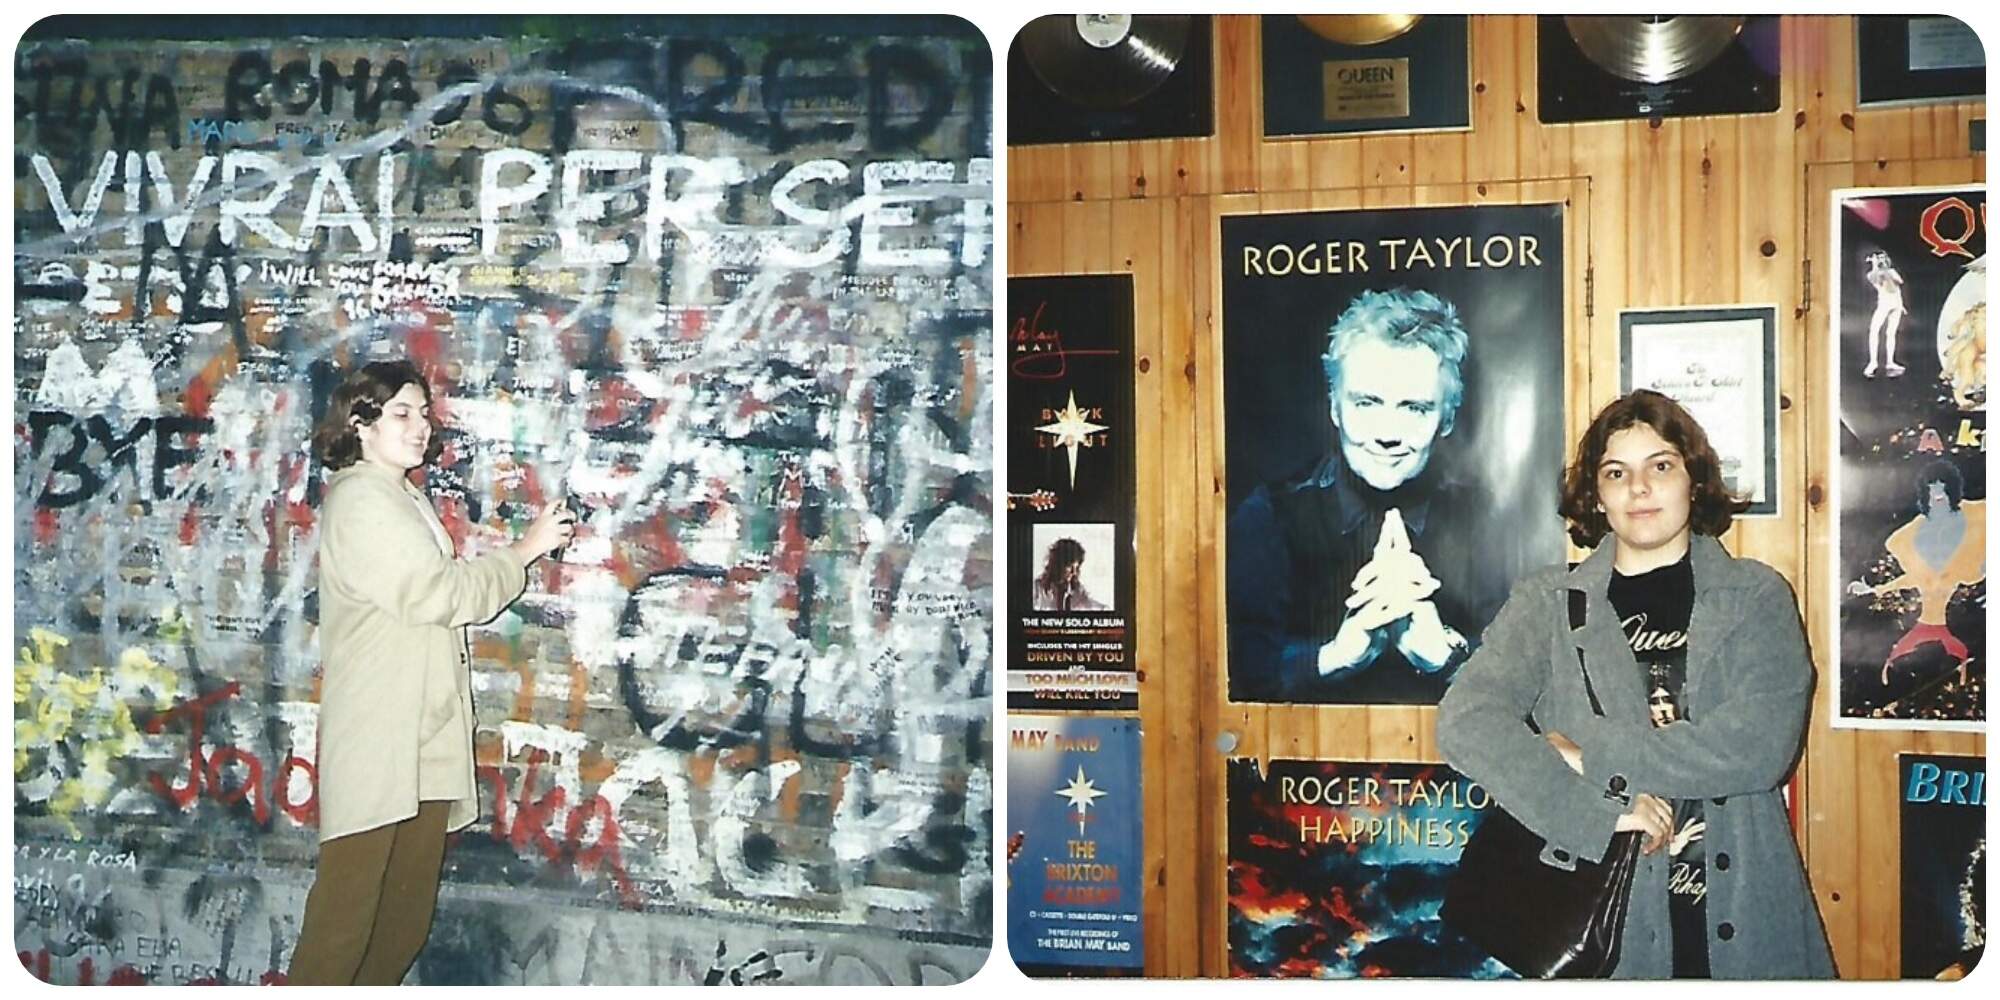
x: 361, y: 395
x: 1711, y: 504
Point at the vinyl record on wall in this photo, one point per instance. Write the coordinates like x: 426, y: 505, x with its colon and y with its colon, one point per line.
x: 1597, y: 68
x: 1096, y: 77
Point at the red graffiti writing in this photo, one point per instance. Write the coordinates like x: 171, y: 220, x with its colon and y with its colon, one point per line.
x: 532, y: 816
x: 206, y: 768
x: 271, y: 978
x: 38, y: 965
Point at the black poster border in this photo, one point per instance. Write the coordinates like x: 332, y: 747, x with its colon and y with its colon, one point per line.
x: 1070, y: 400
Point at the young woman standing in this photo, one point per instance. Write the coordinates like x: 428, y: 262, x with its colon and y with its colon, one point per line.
x: 395, y: 723
x: 1699, y: 662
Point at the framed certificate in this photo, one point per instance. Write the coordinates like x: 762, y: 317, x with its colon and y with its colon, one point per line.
x: 1916, y: 59
x: 1721, y: 363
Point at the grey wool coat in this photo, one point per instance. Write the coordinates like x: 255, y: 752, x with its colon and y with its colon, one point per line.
x: 1749, y: 691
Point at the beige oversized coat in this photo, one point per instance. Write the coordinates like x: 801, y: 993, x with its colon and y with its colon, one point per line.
x: 395, y: 721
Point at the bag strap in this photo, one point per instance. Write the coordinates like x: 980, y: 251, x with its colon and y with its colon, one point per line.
x: 1578, y: 603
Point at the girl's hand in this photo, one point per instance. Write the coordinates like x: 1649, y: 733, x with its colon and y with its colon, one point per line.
x: 550, y: 530
x: 1652, y: 816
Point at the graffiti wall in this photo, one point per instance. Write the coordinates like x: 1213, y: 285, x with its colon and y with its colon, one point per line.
x: 726, y: 282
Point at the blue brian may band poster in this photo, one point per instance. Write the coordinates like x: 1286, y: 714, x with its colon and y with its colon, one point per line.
x: 1074, y: 856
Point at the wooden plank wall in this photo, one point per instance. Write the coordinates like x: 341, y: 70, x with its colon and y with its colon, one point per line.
x: 1689, y: 212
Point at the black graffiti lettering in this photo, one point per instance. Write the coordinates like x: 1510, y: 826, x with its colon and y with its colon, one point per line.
x: 120, y: 118
x: 79, y: 83
x: 295, y: 88
x: 79, y: 75
x: 155, y: 240
x: 217, y: 258
x: 393, y: 86
x: 243, y: 86
x: 115, y: 97
x: 169, y: 456
x: 516, y: 116
x: 66, y: 463
x: 120, y: 453
x: 455, y: 72
x: 193, y: 280
x: 783, y: 90
x: 896, y: 72
x: 118, y: 449
x: 944, y: 849
x: 564, y: 98
x: 330, y: 80
x: 705, y: 105
x: 741, y: 973
x: 842, y: 745
x: 43, y: 74
x: 161, y: 110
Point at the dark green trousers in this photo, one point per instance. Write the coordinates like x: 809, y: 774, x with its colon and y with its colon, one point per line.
x: 371, y: 903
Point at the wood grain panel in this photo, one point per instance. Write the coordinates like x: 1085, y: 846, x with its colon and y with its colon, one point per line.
x: 1135, y: 235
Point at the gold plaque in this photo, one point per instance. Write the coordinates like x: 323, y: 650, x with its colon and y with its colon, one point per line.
x: 1366, y: 88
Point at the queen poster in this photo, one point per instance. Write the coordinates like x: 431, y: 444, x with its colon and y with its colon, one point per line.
x: 1070, y: 481
x: 1393, y: 435
x: 1909, y: 487
x: 1944, y: 864
x: 1075, y: 865
x: 1338, y: 869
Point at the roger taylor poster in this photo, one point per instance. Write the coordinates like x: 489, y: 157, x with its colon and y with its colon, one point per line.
x: 1393, y: 435
x: 1337, y: 869
x: 1909, y: 484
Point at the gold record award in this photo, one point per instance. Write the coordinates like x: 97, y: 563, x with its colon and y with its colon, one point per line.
x: 1365, y: 88
x: 1376, y: 73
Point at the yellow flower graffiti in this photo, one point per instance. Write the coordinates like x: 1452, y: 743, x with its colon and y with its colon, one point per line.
x: 68, y: 728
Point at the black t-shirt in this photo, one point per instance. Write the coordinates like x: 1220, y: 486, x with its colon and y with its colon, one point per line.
x: 1654, y: 608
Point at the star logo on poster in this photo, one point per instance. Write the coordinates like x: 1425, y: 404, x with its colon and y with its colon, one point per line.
x: 1082, y: 793
x: 1072, y: 429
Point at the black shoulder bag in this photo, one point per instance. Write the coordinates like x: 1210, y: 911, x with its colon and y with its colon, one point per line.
x: 1541, y: 921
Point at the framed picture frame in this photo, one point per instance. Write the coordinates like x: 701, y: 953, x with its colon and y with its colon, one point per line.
x: 1721, y: 363
x: 1906, y: 287
x: 1418, y: 81
x: 1906, y: 59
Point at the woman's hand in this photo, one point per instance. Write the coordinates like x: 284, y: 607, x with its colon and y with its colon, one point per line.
x: 1652, y: 816
x: 550, y: 530
x: 1571, y: 753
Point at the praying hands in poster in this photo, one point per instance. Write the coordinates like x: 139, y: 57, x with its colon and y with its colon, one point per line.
x: 1390, y: 601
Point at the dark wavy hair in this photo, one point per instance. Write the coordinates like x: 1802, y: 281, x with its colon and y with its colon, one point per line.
x: 1711, y: 505
x: 1944, y: 474
x: 361, y: 396
x: 1066, y: 552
